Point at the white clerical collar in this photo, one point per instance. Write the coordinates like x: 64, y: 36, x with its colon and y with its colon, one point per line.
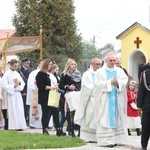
x: 108, y: 68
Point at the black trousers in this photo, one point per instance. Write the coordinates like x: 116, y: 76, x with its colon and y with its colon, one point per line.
x: 145, y: 129
x: 4, y: 111
x: 55, y: 113
x: 45, y: 116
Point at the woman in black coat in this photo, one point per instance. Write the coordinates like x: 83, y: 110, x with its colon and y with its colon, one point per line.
x: 69, y: 81
x: 43, y: 82
x: 44, y: 86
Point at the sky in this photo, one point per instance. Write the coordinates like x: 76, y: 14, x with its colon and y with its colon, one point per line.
x: 104, y: 19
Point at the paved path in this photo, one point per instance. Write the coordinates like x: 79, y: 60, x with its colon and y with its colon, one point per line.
x: 134, y: 143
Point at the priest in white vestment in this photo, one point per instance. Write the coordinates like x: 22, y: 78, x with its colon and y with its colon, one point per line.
x: 35, y: 112
x: 12, y: 83
x: 84, y: 115
x: 111, y: 104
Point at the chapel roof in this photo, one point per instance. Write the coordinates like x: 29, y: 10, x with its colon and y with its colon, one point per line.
x: 133, y: 26
x: 105, y: 52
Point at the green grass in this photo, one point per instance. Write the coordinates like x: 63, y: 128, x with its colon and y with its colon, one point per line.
x: 17, y: 140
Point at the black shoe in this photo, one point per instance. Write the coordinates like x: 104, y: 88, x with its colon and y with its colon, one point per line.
x: 32, y: 127
x: 20, y: 130
x: 60, y: 133
x: 45, y: 132
x: 138, y: 132
x: 111, y: 145
x: 91, y: 142
x: 129, y: 132
x: 63, y: 134
x: 5, y: 128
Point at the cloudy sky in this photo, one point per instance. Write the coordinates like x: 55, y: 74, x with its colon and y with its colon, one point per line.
x: 104, y: 19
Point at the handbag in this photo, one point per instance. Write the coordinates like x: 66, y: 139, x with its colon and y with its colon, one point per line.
x: 72, y: 99
x: 133, y: 105
x: 53, y: 98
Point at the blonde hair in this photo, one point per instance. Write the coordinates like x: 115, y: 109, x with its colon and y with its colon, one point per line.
x: 68, y: 63
x: 133, y: 83
x: 54, y: 67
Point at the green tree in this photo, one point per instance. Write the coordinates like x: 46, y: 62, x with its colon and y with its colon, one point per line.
x: 106, y: 47
x: 89, y: 52
x: 59, y: 32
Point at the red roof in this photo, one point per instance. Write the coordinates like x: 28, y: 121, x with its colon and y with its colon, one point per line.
x: 3, y: 32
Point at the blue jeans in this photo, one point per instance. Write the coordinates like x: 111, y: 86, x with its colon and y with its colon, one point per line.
x: 65, y: 118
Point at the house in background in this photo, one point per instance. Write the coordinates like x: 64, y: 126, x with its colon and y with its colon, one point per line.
x: 135, y: 48
x: 3, y: 34
x: 104, y: 52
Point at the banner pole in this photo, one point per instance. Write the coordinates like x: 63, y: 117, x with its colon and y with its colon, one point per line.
x: 41, y: 50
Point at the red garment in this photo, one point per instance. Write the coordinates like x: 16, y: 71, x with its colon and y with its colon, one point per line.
x: 130, y: 111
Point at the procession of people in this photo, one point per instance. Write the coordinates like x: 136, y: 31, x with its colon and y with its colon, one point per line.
x: 104, y: 103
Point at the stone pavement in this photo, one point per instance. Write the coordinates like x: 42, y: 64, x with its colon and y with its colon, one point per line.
x: 134, y: 143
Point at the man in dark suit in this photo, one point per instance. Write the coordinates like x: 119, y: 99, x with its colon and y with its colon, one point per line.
x: 143, y: 67
x: 143, y: 102
x: 24, y: 72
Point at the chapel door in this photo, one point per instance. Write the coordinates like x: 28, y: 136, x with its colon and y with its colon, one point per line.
x: 136, y: 59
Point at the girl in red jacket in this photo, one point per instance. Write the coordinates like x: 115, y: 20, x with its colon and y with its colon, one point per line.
x: 133, y: 115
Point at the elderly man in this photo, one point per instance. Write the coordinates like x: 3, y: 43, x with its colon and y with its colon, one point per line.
x: 85, y: 113
x: 118, y: 62
x: 110, y: 99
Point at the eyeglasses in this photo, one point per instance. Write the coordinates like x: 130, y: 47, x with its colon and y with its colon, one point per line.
x: 98, y: 64
x: 112, y: 60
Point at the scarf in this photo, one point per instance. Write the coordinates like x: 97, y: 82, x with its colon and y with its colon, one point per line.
x: 75, y: 75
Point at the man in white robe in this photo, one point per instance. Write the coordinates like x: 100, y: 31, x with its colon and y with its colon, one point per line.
x: 12, y: 83
x: 35, y: 112
x: 84, y: 115
x: 111, y: 104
